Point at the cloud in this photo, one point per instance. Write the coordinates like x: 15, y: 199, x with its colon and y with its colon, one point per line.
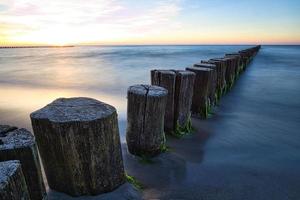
x: 76, y: 21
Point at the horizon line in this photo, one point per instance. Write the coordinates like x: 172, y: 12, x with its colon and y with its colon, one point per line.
x: 81, y: 45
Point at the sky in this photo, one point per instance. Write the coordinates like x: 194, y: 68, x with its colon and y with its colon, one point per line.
x: 118, y: 22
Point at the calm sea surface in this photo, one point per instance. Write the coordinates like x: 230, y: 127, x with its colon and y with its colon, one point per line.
x: 249, y: 149
x: 32, y: 78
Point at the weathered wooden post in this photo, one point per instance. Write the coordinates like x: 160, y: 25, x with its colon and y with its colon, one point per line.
x: 246, y: 56
x: 145, y: 119
x: 167, y: 80
x: 221, y: 80
x: 200, y: 103
x: 232, y: 61
x: 179, y: 84
x: 244, y: 59
x: 230, y: 71
x: 213, y: 96
x: 19, y: 144
x: 237, y: 60
x: 12, y: 182
x: 79, y: 143
x: 183, y: 100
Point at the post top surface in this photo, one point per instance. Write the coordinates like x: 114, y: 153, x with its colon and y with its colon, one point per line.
x: 233, y: 54
x: 17, y: 138
x: 185, y: 72
x: 74, y: 109
x: 202, y: 69
x: 164, y: 71
x: 209, y: 65
x: 7, y: 169
x: 222, y: 59
x: 149, y: 90
x: 6, y: 128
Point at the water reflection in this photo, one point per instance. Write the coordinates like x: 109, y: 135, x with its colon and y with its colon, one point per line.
x: 18, y: 102
x: 32, y: 78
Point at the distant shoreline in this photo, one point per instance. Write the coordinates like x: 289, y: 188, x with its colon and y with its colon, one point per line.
x: 137, y: 45
x: 14, y: 47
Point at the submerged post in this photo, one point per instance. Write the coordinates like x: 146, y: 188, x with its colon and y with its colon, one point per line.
x: 201, y: 103
x: 179, y: 84
x: 79, y: 142
x: 19, y: 144
x: 12, y: 182
x: 145, y: 119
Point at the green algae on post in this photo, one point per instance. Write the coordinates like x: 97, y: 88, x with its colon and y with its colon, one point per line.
x: 145, y: 119
x: 179, y: 84
x: 132, y: 180
x: 181, y: 131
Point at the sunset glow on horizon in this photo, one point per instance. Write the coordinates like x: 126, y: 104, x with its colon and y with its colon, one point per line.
x: 117, y: 22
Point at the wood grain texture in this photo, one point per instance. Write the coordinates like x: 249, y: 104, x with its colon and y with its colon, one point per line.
x: 80, y: 146
x: 179, y: 84
x: 19, y: 144
x: 200, y: 102
x: 12, y: 181
x: 183, y: 96
x: 213, y: 96
x: 230, y: 71
x: 166, y: 79
x: 221, y: 79
x: 238, y: 60
x: 145, y: 119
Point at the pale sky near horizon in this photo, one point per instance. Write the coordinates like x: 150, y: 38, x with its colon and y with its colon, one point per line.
x: 63, y: 22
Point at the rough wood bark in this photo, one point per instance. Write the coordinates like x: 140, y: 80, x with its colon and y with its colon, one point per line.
x: 79, y: 142
x: 213, y: 96
x: 145, y: 119
x: 237, y: 62
x: 221, y: 80
x: 12, y: 181
x: 200, y: 103
x: 166, y: 79
x: 183, y: 97
x: 244, y: 59
x: 234, y: 67
x: 179, y: 84
x: 230, y: 71
x: 19, y: 144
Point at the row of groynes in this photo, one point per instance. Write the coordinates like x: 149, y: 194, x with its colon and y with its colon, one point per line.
x: 78, y: 138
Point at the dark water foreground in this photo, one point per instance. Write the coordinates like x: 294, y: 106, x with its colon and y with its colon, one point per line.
x: 249, y: 149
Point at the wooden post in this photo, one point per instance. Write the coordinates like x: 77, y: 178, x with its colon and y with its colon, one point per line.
x: 79, y: 142
x: 12, y: 182
x: 230, y: 72
x: 232, y: 61
x: 166, y: 79
x: 183, y: 99
x: 200, y: 103
x: 244, y: 59
x: 213, y: 96
x: 180, y: 85
x: 145, y: 119
x: 237, y: 62
x: 221, y: 80
x: 19, y: 144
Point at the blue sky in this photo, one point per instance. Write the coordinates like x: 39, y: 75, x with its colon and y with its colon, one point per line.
x: 149, y: 22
